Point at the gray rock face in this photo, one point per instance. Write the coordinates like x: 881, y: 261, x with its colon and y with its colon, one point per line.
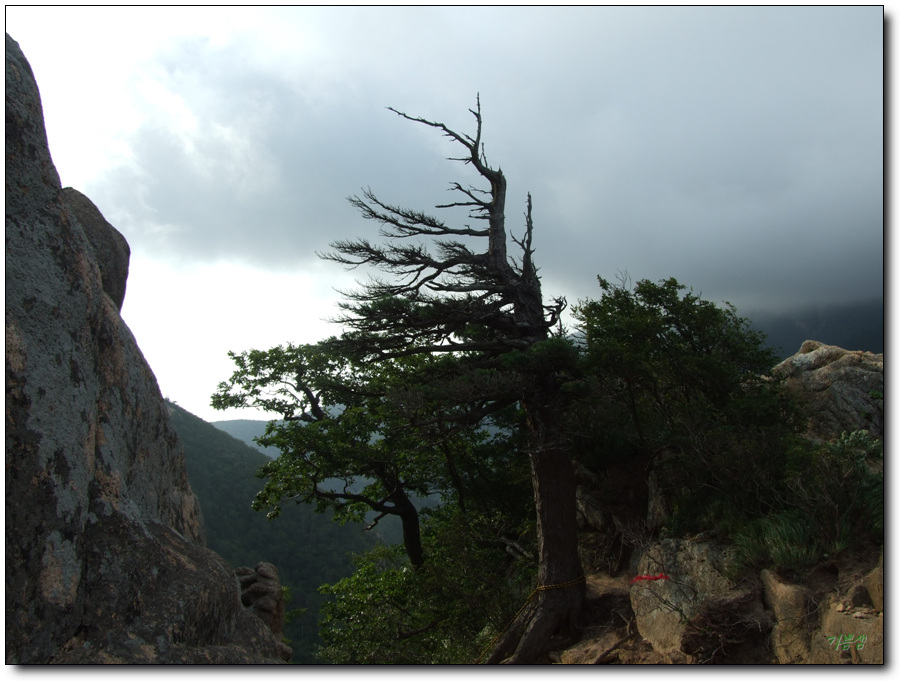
x: 663, y: 607
x: 104, y: 555
x: 844, y: 389
x: 110, y: 247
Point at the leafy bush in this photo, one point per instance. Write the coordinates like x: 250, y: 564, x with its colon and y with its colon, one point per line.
x: 829, y: 498
x: 665, y: 369
x: 443, y: 612
x: 682, y: 385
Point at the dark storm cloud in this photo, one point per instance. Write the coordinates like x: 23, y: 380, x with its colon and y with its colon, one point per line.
x: 264, y: 176
x: 738, y: 149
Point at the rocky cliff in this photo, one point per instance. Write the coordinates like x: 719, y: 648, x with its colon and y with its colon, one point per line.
x: 104, y: 540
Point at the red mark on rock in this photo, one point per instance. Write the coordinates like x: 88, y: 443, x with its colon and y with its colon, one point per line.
x: 641, y: 578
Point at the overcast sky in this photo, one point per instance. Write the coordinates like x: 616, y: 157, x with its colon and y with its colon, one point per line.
x: 739, y: 150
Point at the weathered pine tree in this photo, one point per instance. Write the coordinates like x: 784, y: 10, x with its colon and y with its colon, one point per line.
x: 486, y: 309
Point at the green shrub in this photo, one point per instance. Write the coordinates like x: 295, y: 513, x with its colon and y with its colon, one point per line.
x: 444, y: 612
x: 825, y: 499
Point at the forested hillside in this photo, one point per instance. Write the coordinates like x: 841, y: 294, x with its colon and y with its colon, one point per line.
x: 308, y: 549
x: 247, y: 430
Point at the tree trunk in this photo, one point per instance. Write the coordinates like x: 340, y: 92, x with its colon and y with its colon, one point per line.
x: 412, y: 538
x: 547, y: 621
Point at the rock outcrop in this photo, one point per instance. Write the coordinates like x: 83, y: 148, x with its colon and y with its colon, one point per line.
x: 695, y: 610
x: 843, y: 389
x: 104, y: 539
x: 111, y: 250
x: 848, y: 636
x: 262, y: 594
x: 790, y: 606
x: 839, y: 622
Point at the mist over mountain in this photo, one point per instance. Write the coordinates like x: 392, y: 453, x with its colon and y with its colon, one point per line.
x: 246, y: 430
x: 852, y: 326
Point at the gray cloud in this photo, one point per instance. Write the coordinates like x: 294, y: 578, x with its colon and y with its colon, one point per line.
x: 739, y: 149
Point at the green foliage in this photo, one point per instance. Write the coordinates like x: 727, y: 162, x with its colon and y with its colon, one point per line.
x: 823, y: 499
x: 680, y: 381
x: 555, y: 354
x: 445, y: 612
x: 357, y: 437
x: 290, y: 615
x: 665, y: 369
x: 659, y: 375
x: 788, y: 540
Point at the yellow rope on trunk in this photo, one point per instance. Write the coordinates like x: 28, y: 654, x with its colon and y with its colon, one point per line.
x: 543, y: 587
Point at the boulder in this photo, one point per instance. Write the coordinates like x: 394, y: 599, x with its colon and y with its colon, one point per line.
x: 663, y: 607
x: 694, y: 595
x: 844, y: 389
x: 874, y: 584
x: 111, y: 250
x: 848, y: 637
x: 788, y: 603
x: 262, y: 594
x: 104, y: 538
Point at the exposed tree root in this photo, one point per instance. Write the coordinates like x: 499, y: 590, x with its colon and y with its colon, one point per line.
x: 545, y: 623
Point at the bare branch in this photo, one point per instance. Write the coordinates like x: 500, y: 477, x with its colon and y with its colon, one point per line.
x: 374, y: 522
x: 432, y: 300
x: 345, y: 496
x: 473, y: 146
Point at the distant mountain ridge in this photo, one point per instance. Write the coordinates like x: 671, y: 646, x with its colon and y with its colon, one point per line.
x: 247, y: 430
x: 852, y: 326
